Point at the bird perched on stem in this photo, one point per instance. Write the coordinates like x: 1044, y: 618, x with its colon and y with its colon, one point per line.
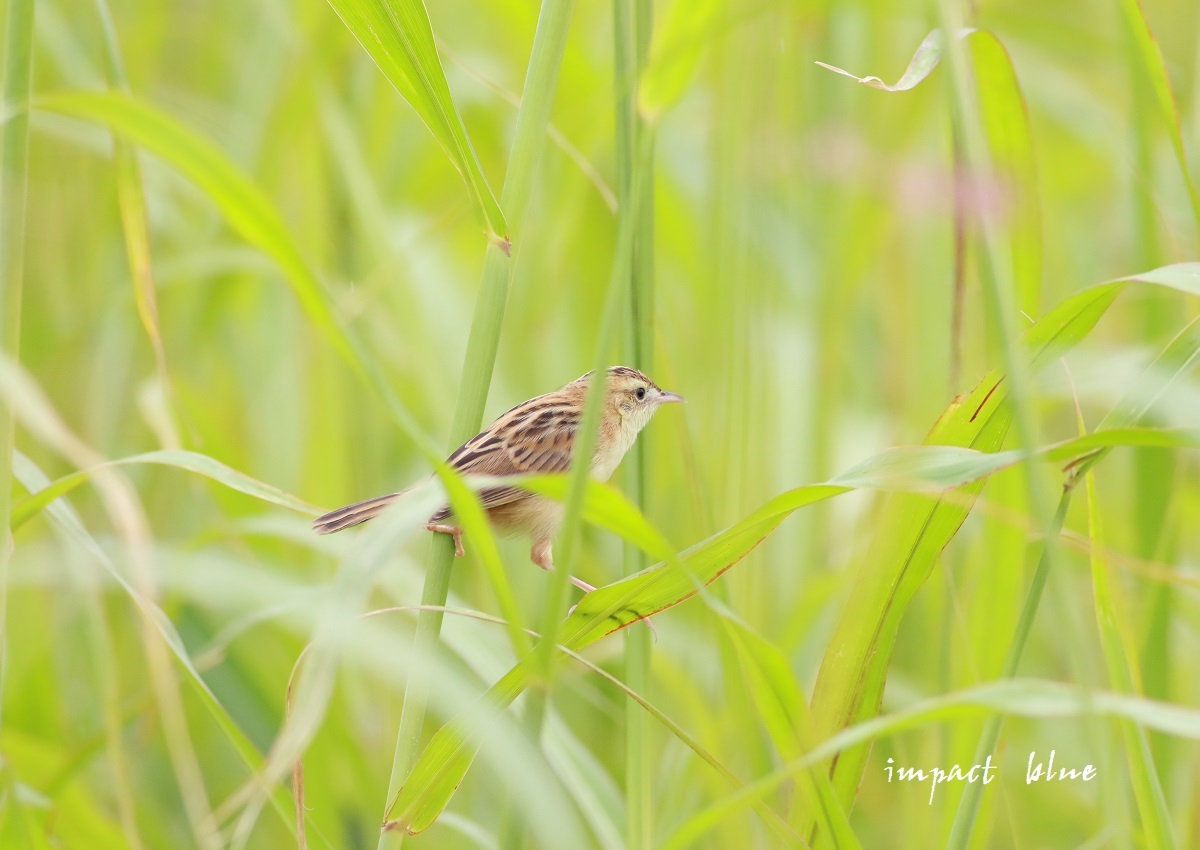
x: 536, y: 436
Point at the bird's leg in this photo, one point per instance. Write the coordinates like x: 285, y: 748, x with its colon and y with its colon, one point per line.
x: 540, y: 554
x: 454, y: 532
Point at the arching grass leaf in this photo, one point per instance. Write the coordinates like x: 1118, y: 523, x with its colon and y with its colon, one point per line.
x: 1147, y: 54
x: 397, y: 35
x: 33, y: 504
x: 243, y: 204
x: 247, y: 210
x: 1005, y: 124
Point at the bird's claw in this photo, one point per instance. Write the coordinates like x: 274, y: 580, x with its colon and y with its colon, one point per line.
x: 456, y: 533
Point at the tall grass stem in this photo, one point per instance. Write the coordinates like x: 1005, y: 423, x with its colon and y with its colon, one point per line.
x: 541, y: 668
x: 14, y: 181
x: 632, y: 29
x: 1002, y: 312
x: 533, y: 116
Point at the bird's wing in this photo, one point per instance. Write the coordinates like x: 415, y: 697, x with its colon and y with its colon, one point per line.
x: 534, y: 437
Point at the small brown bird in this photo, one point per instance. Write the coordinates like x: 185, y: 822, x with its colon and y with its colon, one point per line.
x: 536, y: 436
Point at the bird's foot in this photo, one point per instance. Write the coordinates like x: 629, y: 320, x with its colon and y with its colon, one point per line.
x: 581, y: 584
x: 540, y: 555
x: 456, y: 533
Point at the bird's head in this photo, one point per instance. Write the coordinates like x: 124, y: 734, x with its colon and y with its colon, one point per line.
x: 632, y: 396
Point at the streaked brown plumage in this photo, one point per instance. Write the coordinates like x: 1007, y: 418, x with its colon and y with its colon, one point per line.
x: 536, y: 436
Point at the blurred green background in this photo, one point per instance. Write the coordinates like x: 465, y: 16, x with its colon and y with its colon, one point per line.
x: 804, y: 273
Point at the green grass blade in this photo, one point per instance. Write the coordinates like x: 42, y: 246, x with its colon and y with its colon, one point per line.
x: 470, y: 517
x: 784, y: 712
x: 1147, y: 55
x: 770, y: 817
x: 1123, y: 677
x: 1179, y: 357
x: 909, y: 540
x: 912, y: 536
x: 608, y: 508
x: 397, y: 35
x: 33, y: 504
x: 445, y: 761
x: 1006, y: 131
x: 131, y: 201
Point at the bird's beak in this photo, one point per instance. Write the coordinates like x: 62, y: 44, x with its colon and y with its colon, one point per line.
x: 665, y: 397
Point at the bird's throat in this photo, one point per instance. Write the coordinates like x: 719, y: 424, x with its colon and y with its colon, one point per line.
x: 613, y: 441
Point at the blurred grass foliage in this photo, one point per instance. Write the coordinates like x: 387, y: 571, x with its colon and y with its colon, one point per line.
x: 244, y: 272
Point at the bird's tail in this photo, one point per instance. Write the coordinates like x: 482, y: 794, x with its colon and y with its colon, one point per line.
x: 353, y: 514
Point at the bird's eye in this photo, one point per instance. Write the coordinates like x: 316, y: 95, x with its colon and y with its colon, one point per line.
x: 641, y: 393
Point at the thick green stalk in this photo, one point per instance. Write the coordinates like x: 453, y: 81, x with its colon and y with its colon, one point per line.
x: 545, y: 653
x: 533, y: 115
x: 1001, y: 309
x: 632, y: 45
x: 1001, y: 305
x: 626, y: 61
x: 14, y: 168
